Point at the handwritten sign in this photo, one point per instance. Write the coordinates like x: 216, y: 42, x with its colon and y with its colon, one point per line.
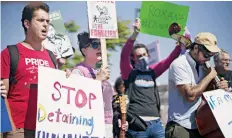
x: 220, y: 103
x: 69, y: 108
x: 157, y: 16
x: 154, y: 52
x: 102, y: 19
x: 57, y: 40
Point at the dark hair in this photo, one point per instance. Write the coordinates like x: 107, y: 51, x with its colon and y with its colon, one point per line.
x: 119, y: 81
x: 83, y: 40
x: 28, y: 11
x: 137, y: 46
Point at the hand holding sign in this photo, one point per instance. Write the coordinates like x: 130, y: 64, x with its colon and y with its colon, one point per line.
x: 3, y: 89
x: 103, y: 74
x: 137, y: 25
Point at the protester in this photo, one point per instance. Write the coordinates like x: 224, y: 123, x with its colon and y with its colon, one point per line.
x: 187, y: 82
x: 119, y: 87
x: 144, y: 106
x: 19, y: 70
x: 91, y: 50
x: 222, y: 65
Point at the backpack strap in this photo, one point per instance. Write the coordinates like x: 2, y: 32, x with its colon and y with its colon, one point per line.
x: 14, y: 59
x: 53, y: 58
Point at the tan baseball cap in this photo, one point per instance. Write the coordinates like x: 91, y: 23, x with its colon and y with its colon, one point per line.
x: 209, y: 40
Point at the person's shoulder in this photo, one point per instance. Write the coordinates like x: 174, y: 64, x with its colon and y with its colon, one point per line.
x: 229, y: 74
x: 180, y: 61
x: 4, y: 51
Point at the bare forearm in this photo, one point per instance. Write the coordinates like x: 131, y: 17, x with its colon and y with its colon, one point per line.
x: 196, y: 91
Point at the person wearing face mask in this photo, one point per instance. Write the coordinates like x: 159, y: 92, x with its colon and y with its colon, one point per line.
x: 222, y: 66
x: 143, y: 113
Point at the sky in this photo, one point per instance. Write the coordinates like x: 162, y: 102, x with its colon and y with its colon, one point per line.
x: 214, y: 17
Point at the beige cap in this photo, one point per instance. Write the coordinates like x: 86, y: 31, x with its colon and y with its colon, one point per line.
x: 208, y: 40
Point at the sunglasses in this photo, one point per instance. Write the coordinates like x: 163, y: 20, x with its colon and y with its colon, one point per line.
x: 94, y: 45
x: 206, y: 52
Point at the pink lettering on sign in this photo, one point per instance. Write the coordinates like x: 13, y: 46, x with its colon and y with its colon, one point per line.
x: 103, y: 33
x: 81, y: 98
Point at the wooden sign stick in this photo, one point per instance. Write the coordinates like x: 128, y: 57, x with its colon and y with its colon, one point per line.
x: 104, y: 53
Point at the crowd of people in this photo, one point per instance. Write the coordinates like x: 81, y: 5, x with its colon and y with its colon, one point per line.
x: 188, y: 80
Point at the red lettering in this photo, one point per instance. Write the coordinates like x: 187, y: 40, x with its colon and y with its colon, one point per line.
x: 91, y: 97
x: 68, y: 95
x: 84, y: 99
x: 57, y: 86
x: 50, y: 115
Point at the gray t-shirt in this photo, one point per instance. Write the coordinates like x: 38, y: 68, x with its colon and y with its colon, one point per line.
x: 183, y: 71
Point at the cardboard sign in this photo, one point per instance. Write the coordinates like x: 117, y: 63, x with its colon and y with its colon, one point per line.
x: 68, y: 107
x: 157, y: 16
x: 220, y: 103
x: 57, y: 40
x: 102, y: 19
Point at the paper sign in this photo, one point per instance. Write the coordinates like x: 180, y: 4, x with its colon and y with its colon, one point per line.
x: 57, y: 40
x: 157, y: 16
x: 220, y: 103
x: 102, y: 19
x: 68, y: 107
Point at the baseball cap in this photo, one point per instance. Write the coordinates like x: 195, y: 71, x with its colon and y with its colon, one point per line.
x: 209, y: 40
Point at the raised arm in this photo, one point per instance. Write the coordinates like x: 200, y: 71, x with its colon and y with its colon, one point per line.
x: 163, y: 65
x: 125, y: 65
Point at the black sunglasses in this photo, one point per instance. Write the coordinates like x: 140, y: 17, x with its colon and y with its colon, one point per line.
x: 206, y: 52
x: 94, y: 45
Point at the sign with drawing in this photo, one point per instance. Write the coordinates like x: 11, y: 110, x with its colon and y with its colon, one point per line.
x: 102, y: 19
x: 57, y: 40
x: 220, y: 103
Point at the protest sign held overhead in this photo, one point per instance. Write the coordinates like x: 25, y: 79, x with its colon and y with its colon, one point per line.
x: 157, y: 16
x: 102, y: 19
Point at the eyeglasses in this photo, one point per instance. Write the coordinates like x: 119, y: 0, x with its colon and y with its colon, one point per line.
x: 94, y: 45
x: 206, y: 52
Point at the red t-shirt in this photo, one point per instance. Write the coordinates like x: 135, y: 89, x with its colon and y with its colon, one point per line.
x: 22, y: 96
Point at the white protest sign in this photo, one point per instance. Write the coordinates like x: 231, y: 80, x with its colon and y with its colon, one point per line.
x: 102, y: 19
x: 220, y: 103
x: 154, y: 52
x: 68, y: 107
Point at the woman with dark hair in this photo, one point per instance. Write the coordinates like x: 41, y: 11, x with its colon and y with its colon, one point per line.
x: 141, y: 87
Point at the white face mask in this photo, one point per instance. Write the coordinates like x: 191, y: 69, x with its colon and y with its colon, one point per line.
x: 142, y: 63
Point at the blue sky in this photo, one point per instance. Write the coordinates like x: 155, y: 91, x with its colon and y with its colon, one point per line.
x: 212, y: 17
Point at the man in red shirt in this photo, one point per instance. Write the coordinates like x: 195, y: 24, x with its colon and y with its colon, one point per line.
x: 22, y: 95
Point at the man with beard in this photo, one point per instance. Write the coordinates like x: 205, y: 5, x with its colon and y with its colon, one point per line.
x: 187, y: 82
